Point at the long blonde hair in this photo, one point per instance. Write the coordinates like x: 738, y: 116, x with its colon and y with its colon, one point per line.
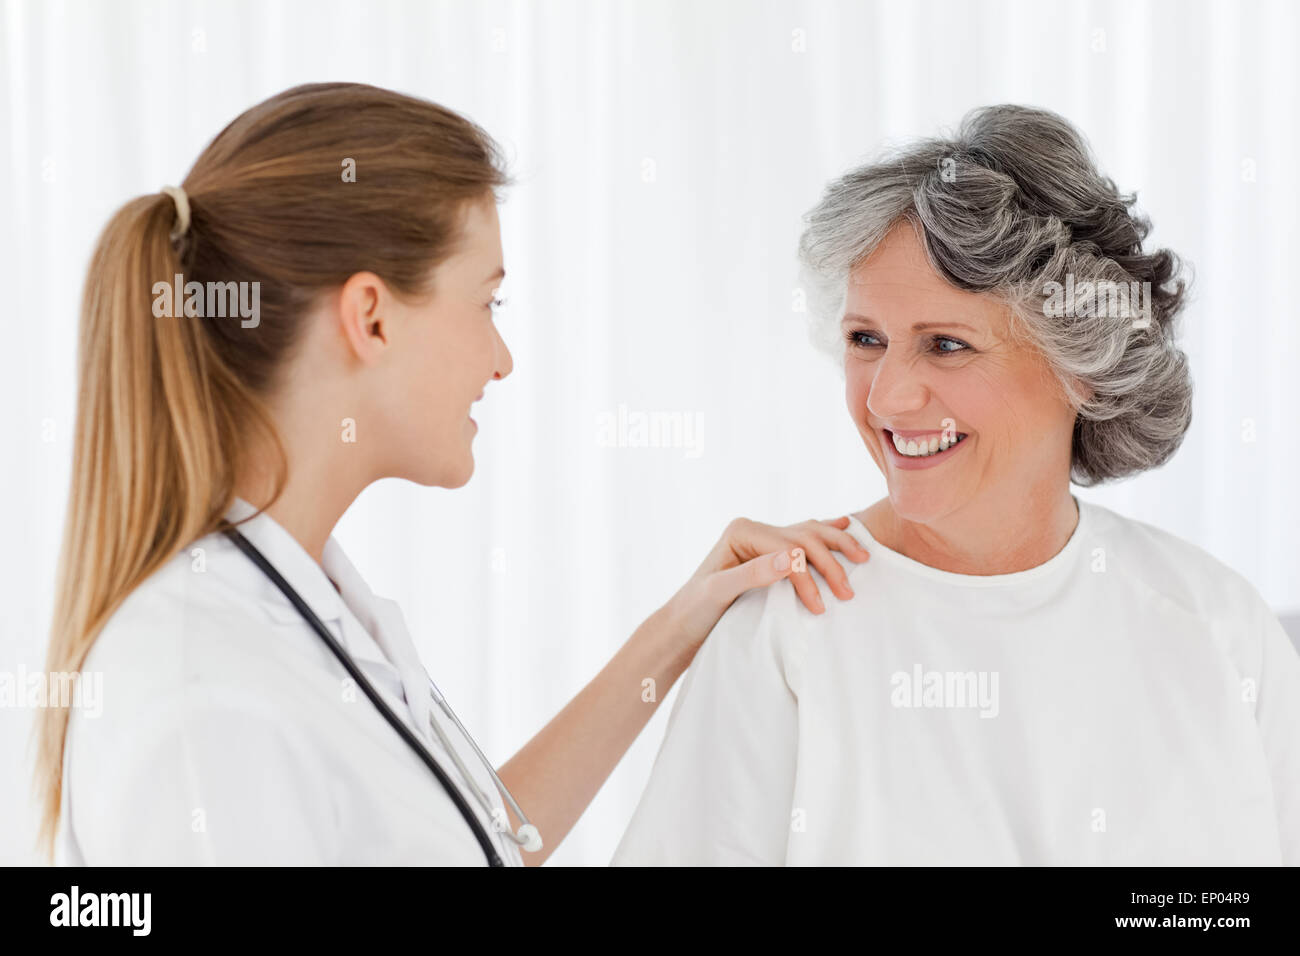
x: 168, y: 408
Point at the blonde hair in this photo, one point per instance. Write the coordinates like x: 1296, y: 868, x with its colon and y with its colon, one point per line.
x: 168, y: 408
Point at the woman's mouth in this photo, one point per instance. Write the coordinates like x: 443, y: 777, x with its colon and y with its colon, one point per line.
x: 917, y: 449
x: 471, y: 420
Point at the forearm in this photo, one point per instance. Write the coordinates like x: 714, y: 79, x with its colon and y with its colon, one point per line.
x: 558, y: 773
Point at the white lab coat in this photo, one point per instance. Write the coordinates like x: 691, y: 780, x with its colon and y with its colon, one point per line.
x: 230, y: 734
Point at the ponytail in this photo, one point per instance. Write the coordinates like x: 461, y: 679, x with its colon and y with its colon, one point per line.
x: 152, y: 466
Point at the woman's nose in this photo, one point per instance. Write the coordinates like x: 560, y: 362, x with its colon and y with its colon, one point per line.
x: 504, y: 360
x: 896, y: 388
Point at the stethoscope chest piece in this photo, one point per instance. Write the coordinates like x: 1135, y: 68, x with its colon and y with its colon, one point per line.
x: 528, y: 836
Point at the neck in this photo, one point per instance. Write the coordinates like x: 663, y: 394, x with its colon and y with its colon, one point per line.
x: 1007, y: 536
x: 323, y: 481
x: 309, y: 516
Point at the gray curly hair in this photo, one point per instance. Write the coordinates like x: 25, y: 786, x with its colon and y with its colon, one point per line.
x: 1009, y: 205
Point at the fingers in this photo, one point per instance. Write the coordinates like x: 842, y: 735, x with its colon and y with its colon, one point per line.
x: 769, y: 568
x: 806, y: 590
x: 746, y: 542
x: 756, y: 573
x: 817, y: 540
x: 820, y: 557
x: 840, y: 539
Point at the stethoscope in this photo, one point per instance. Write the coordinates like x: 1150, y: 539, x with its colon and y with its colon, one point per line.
x: 528, y: 837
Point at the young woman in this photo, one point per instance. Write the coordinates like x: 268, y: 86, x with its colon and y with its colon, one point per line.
x: 260, y: 704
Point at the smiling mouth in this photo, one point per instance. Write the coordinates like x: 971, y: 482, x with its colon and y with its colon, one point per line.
x: 923, y: 445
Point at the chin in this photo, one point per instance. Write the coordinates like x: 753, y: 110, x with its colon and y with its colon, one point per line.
x: 452, y: 474
x: 462, y: 472
x: 459, y: 481
x: 443, y: 474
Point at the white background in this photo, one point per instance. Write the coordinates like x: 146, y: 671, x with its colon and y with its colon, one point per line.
x: 665, y: 152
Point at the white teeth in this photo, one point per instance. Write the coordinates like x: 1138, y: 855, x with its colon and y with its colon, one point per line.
x: 926, y: 447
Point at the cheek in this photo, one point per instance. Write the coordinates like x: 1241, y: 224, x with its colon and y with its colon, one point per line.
x: 1006, y: 402
x: 464, y: 367
x: 437, y: 359
x: 447, y: 366
x: 857, y: 387
x: 475, y: 363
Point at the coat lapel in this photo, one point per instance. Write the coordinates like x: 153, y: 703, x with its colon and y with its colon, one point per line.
x: 383, y: 621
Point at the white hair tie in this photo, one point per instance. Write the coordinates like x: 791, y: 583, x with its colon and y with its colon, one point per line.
x: 182, y: 202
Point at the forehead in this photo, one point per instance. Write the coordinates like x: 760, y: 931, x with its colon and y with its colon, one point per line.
x: 481, y: 227
x: 896, y: 283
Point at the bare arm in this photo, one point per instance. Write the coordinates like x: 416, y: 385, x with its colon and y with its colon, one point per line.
x: 558, y: 773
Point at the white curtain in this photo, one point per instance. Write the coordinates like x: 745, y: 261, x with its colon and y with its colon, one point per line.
x: 664, y: 152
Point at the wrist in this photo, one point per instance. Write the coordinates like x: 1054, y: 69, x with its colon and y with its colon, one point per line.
x: 678, y: 625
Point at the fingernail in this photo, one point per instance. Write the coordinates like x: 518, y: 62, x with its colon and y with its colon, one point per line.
x: 820, y: 606
x: 782, y: 561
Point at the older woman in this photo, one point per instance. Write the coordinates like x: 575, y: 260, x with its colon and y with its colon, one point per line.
x: 1025, y: 678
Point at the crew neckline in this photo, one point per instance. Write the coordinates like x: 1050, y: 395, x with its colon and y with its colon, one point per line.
x: 1052, y: 565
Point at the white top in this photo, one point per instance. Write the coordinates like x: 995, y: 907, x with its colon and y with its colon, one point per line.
x: 1130, y: 701
x: 230, y: 734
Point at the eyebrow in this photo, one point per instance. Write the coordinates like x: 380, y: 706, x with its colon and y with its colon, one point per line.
x: 919, y: 327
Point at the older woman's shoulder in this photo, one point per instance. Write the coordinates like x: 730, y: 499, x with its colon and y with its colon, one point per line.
x: 1173, y: 567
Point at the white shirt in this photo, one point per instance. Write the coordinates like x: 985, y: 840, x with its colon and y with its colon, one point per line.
x: 230, y: 734
x: 1130, y: 701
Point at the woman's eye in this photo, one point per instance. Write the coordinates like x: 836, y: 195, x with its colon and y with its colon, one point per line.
x: 940, y: 344
x: 942, y: 340
x: 863, y: 340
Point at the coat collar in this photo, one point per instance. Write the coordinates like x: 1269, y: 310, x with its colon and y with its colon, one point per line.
x: 351, y: 605
x: 292, y: 561
x: 384, y: 622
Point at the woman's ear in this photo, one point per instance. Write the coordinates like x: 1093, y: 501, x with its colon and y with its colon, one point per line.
x: 364, y: 307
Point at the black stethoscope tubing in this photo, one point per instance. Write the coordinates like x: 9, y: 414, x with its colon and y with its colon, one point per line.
x: 480, y: 834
